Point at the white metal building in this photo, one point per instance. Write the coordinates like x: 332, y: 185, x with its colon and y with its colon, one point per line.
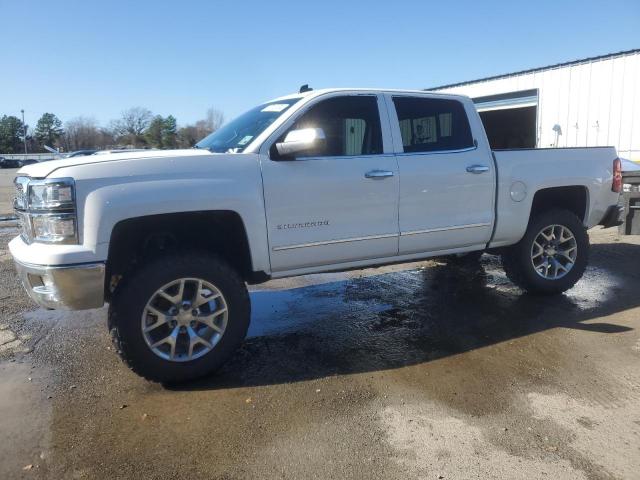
x: 589, y: 102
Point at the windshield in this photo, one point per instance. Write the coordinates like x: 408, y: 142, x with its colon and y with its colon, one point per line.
x: 236, y: 135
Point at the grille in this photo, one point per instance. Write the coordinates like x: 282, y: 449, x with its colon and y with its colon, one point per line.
x: 20, y: 204
x: 24, y: 224
x: 20, y: 199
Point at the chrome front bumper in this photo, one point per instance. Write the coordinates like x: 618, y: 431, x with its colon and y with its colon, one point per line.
x: 74, y: 287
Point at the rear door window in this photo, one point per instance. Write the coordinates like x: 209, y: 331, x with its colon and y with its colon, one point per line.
x: 432, y: 124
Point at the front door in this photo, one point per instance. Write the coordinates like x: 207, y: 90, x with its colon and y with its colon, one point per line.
x: 447, y: 183
x: 338, y: 203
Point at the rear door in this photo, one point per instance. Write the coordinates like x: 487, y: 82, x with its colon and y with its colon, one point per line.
x: 339, y: 203
x: 447, y: 184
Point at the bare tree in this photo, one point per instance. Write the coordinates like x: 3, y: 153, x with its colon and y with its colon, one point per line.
x: 133, y: 129
x: 190, y: 134
x: 132, y: 125
x: 214, y: 120
x: 84, y: 133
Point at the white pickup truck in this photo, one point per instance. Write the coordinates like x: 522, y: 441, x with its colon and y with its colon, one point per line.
x: 317, y: 181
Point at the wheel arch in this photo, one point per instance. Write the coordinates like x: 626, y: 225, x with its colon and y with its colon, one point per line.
x: 136, y: 240
x: 514, y: 217
x: 574, y: 198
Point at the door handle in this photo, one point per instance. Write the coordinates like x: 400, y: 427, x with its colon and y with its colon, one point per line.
x: 377, y: 174
x: 477, y: 168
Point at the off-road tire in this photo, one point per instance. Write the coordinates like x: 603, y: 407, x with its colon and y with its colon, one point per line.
x: 516, y: 260
x: 132, y: 294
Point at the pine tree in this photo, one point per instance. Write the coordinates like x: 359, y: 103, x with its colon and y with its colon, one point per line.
x: 154, y: 133
x: 11, y: 131
x: 48, y: 130
x: 169, y: 132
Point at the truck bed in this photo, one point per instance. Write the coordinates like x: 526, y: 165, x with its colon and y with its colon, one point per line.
x: 534, y: 169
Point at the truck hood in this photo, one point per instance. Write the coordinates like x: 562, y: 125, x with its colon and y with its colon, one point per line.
x: 44, y: 169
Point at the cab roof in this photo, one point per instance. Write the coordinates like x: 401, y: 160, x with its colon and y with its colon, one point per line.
x: 322, y: 91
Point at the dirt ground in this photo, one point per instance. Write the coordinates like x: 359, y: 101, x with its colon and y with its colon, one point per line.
x: 6, y: 190
x: 415, y: 371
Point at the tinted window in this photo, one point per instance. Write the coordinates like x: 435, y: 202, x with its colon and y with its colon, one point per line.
x: 428, y: 124
x: 351, y: 126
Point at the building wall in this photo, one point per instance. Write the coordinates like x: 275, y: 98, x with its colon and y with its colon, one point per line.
x: 595, y: 102
x: 41, y: 157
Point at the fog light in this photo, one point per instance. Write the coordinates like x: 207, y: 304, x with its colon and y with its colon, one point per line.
x: 47, y: 281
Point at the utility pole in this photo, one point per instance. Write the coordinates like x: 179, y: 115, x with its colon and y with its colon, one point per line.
x: 24, y: 132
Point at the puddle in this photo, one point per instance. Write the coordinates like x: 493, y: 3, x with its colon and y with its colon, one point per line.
x: 282, y: 311
x: 409, y: 297
x: 405, y: 317
x: 596, y: 286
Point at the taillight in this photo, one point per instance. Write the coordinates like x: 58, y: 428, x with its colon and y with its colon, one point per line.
x: 616, y: 186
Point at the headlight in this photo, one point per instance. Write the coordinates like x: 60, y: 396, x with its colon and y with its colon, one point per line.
x: 46, y: 210
x: 51, y: 194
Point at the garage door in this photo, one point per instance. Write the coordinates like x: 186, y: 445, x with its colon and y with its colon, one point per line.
x: 510, y: 119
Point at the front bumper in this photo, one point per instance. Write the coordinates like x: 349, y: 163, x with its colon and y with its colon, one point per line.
x: 69, y: 287
x: 613, y: 217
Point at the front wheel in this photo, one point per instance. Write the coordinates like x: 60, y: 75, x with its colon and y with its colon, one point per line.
x: 552, y: 255
x: 179, y: 317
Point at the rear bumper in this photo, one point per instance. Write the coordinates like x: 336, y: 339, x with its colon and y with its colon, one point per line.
x: 72, y: 287
x: 613, y: 217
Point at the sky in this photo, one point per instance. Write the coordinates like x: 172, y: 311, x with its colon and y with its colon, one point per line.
x: 96, y: 59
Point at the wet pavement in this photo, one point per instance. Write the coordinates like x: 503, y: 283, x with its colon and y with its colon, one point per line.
x: 422, y: 370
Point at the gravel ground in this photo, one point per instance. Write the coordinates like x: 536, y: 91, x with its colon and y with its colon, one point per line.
x: 6, y: 190
x: 415, y: 371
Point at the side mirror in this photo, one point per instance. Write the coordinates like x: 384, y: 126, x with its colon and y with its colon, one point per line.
x: 298, y: 141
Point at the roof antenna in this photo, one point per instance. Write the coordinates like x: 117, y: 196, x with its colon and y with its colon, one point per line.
x: 305, y: 88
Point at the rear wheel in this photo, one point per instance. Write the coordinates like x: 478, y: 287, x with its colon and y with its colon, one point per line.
x: 552, y: 255
x: 180, y: 317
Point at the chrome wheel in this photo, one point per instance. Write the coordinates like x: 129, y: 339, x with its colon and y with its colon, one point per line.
x: 553, y: 253
x: 184, y: 319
